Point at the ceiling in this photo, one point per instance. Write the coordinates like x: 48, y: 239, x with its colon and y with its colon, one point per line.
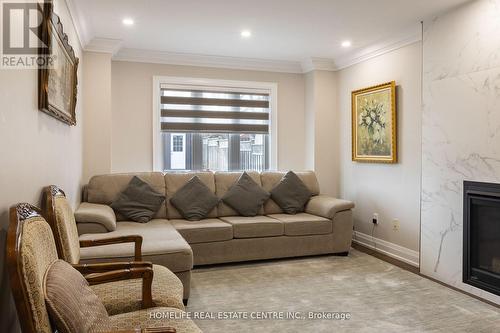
x: 285, y: 30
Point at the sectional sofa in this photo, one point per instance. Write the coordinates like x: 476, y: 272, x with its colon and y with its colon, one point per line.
x: 325, y: 227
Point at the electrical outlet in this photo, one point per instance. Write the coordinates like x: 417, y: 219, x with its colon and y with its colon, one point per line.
x: 395, y: 225
x: 375, y: 218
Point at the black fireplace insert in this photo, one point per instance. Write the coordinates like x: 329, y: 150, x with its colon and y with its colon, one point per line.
x: 481, y: 259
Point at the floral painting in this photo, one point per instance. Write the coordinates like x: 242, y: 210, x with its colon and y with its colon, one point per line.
x: 374, y: 124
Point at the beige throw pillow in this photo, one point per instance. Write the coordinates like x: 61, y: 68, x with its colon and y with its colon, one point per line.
x: 72, y: 304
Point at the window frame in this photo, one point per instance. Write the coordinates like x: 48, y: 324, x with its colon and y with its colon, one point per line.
x: 204, y: 83
x: 182, y: 142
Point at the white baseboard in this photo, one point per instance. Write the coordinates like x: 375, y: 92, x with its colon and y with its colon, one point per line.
x: 390, y: 249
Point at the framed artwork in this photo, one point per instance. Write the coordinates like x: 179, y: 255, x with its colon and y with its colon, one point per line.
x: 57, y: 82
x: 374, y: 124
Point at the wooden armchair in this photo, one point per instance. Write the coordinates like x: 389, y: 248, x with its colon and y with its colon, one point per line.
x: 167, y: 289
x: 31, y: 251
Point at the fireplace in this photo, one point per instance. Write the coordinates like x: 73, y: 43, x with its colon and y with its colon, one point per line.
x: 481, y: 259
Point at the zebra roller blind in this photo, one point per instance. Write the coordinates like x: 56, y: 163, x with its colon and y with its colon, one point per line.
x: 213, y: 111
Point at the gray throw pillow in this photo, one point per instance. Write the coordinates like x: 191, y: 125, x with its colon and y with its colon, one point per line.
x: 291, y: 194
x: 246, y: 196
x: 194, y: 200
x: 138, y: 202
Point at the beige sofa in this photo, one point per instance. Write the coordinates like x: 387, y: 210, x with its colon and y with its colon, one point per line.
x: 324, y: 228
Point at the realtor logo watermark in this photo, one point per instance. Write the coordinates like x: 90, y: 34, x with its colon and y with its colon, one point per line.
x: 22, y: 45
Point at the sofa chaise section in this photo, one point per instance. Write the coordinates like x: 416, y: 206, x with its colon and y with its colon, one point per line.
x: 162, y: 244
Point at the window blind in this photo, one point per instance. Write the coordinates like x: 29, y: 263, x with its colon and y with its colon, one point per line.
x: 198, y: 110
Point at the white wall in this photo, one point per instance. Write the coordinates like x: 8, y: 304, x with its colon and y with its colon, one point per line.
x: 392, y: 191
x: 309, y: 119
x: 132, y: 96
x: 461, y: 129
x: 97, y: 114
x: 322, y: 129
x: 36, y: 150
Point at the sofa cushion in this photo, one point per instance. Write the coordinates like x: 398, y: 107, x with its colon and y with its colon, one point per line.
x: 204, y: 231
x: 194, y: 200
x: 96, y: 214
x: 303, y: 224
x: 138, y: 201
x: 223, y: 182
x: 72, y: 304
x: 161, y: 244
x: 269, y: 180
x: 246, y: 196
x: 175, y: 180
x: 291, y: 194
x: 104, y: 189
x: 256, y: 226
x: 91, y: 228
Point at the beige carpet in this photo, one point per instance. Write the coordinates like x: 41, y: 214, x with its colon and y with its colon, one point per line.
x: 380, y: 297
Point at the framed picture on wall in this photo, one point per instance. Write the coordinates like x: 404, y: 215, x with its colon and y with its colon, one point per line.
x: 374, y: 124
x: 57, y: 81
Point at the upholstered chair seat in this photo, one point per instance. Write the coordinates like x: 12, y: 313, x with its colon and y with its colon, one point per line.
x: 119, y: 296
x: 125, y: 296
x: 154, y: 318
x: 51, y: 295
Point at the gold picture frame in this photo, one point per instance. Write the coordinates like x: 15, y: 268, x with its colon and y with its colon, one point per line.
x: 58, y: 86
x: 374, y: 124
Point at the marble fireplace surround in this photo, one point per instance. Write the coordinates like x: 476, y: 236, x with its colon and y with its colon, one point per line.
x: 460, y: 130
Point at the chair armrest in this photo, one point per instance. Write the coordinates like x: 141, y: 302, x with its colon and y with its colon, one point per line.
x: 326, y: 206
x: 117, y: 240
x: 109, y: 266
x: 146, y: 273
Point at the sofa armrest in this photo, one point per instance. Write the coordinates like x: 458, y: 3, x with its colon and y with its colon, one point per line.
x: 96, y: 213
x: 326, y: 206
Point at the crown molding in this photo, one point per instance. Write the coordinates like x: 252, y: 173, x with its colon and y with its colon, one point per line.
x: 187, y: 59
x: 78, y: 22
x: 113, y: 46
x: 321, y: 64
x: 409, y: 37
x: 104, y: 45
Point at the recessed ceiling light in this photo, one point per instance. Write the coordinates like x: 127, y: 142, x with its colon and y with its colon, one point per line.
x: 346, y: 43
x: 246, y: 33
x: 128, y: 21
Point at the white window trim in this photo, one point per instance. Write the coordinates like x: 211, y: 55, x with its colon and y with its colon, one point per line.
x: 271, y: 87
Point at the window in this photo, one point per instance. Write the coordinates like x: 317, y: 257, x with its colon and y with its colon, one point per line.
x: 178, y: 143
x: 217, y: 125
